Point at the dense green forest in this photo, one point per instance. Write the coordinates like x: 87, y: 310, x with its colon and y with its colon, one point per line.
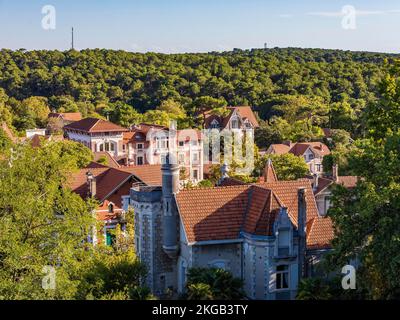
x: 306, y: 88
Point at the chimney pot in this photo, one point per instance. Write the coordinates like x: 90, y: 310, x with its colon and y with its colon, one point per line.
x: 91, y: 181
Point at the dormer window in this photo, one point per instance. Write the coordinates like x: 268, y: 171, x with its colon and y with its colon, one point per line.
x: 110, y: 208
x: 235, y: 123
x: 214, y: 124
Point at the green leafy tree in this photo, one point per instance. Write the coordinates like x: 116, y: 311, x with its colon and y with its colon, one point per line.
x: 213, y: 284
x: 287, y: 166
x: 41, y: 224
x: 366, y: 218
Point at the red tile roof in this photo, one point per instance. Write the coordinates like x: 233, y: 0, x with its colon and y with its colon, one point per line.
x: 67, y: 116
x: 213, y: 213
x: 111, y: 162
x: 219, y: 213
x: 149, y: 174
x: 107, y: 180
x: 346, y: 181
x: 94, y: 125
x: 319, y: 233
x: 286, y: 191
x: 319, y: 148
x: 280, y: 148
x: 245, y: 112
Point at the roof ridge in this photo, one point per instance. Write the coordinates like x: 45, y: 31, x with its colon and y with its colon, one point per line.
x: 219, y: 187
x: 95, y: 124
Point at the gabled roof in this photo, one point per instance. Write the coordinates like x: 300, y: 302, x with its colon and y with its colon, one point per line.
x: 245, y: 112
x: 220, y: 213
x: 110, y: 159
x: 107, y: 181
x: 318, y: 148
x: 213, y: 213
x: 94, y: 125
x: 149, y: 174
x: 279, y: 148
x: 286, y: 191
x: 67, y: 116
x: 346, y: 181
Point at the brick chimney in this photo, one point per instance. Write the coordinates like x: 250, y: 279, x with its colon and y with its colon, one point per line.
x: 91, y: 181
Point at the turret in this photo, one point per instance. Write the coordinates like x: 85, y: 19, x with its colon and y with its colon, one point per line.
x: 170, y: 187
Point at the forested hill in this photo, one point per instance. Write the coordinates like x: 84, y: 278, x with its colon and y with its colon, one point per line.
x: 99, y: 81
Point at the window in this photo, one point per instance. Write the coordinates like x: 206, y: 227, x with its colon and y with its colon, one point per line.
x: 107, y: 146
x: 283, y: 242
x: 110, y: 208
x: 282, y: 277
x: 194, y: 143
x: 181, y: 158
x: 140, y: 146
x: 235, y: 124
x: 310, y: 156
x: 123, y: 147
x: 214, y: 124
x: 161, y: 142
x: 318, y: 167
x: 163, y: 159
x: 110, y: 238
x: 195, y: 157
x: 181, y: 143
x: 139, y: 161
x: 195, y: 174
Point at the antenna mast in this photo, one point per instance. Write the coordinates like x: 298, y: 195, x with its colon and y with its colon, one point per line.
x: 72, y: 34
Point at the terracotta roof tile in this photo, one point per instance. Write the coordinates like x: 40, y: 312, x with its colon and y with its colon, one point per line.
x: 280, y: 148
x: 319, y: 233
x: 149, y: 174
x: 110, y: 159
x: 67, y: 116
x: 107, y: 180
x: 94, y: 125
x: 245, y: 112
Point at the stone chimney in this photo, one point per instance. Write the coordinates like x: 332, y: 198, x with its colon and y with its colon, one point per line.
x: 301, y: 228
x: 335, y: 172
x: 316, y: 181
x: 170, y: 187
x: 91, y: 181
x: 224, y: 173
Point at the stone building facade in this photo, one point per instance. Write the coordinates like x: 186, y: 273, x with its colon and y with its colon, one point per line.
x: 259, y: 232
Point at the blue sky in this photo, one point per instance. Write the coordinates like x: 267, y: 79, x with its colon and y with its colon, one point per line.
x: 201, y: 25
